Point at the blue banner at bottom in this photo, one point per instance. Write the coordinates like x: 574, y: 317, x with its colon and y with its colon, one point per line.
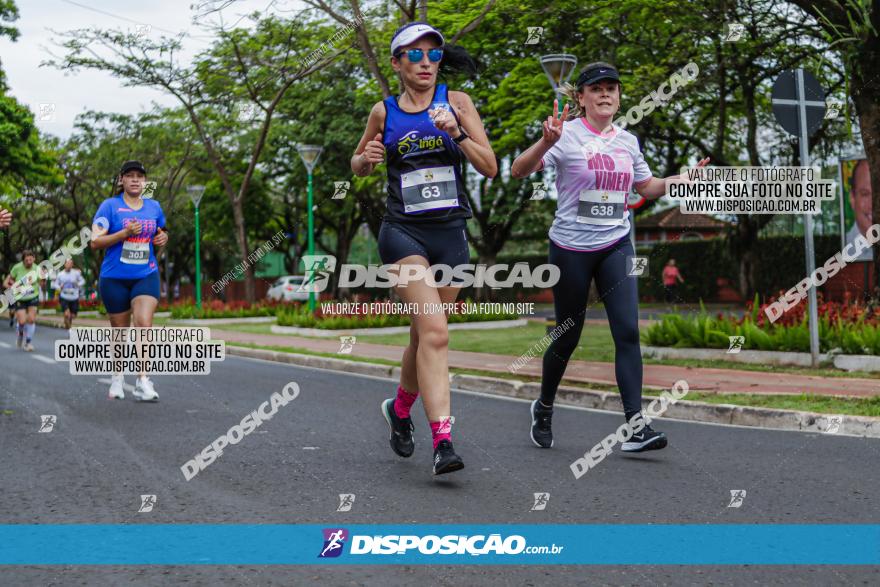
x: 491, y: 544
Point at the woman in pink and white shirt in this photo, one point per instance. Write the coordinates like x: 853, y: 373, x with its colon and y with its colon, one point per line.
x: 596, y: 164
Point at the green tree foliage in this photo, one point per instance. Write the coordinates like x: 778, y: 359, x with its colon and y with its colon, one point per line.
x: 24, y: 159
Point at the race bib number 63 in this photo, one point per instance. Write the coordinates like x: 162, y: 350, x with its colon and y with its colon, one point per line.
x: 432, y: 188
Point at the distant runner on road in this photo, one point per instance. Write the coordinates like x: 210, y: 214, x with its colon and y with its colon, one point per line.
x: 23, y: 278
x: 69, y: 283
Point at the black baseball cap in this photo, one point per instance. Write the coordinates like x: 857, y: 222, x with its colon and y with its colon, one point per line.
x: 132, y: 166
x: 597, y: 72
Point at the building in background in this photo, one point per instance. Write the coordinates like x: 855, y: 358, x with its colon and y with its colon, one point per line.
x: 672, y: 225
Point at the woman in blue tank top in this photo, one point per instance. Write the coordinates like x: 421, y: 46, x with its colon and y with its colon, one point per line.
x: 425, y: 135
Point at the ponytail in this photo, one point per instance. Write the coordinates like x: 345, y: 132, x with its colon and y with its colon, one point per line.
x: 575, y: 110
x: 456, y: 59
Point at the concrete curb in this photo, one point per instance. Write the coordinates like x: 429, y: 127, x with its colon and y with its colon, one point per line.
x: 694, y: 411
x: 323, y: 332
x: 857, y: 362
x: 744, y: 356
x: 844, y: 362
x: 357, y: 367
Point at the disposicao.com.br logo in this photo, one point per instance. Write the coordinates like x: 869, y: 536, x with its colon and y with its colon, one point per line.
x: 431, y: 544
x: 334, y: 542
x: 319, y: 268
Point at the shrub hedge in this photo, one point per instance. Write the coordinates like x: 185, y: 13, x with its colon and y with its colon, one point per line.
x: 293, y: 316
x: 781, y: 263
x: 840, y: 329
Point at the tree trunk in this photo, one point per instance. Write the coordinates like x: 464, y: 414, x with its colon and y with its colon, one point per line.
x: 748, y: 227
x: 488, y: 258
x: 842, y: 20
x: 343, y: 248
x: 746, y: 239
x: 241, y: 237
x: 868, y: 109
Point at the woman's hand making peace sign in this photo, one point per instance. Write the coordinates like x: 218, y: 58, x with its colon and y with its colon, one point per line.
x: 553, y: 124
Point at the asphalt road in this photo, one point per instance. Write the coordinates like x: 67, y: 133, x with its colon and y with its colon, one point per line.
x: 102, y: 455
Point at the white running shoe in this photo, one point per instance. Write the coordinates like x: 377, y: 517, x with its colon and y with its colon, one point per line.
x: 144, y: 391
x: 29, y: 347
x: 116, y: 383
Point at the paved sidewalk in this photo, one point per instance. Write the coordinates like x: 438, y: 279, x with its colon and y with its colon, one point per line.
x: 655, y: 376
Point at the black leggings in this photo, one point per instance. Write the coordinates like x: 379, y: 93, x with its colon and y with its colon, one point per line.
x: 619, y: 293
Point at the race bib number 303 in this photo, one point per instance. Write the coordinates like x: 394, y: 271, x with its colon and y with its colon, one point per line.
x: 601, y: 207
x: 432, y: 188
x: 135, y: 252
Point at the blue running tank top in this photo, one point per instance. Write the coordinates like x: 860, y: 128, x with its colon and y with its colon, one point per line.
x: 424, y: 165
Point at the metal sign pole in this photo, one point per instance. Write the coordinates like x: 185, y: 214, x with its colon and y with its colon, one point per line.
x: 808, y: 220
x: 195, y: 194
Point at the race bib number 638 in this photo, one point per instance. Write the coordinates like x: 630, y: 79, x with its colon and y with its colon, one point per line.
x: 601, y: 207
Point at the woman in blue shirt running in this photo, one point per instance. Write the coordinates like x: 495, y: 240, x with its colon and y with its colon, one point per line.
x: 130, y: 228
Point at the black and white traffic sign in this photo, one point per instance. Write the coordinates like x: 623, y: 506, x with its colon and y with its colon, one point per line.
x: 791, y: 90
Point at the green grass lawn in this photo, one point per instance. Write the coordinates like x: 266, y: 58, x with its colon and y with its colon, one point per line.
x: 305, y: 351
x: 256, y: 328
x: 596, y: 344
x: 802, y: 402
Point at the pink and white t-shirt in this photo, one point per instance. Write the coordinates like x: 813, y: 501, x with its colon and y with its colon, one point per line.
x: 594, y: 174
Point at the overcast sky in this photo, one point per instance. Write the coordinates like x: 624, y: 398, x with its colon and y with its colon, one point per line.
x: 72, y: 94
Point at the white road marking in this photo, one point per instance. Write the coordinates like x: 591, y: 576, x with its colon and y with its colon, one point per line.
x: 5, y: 345
x: 43, y: 359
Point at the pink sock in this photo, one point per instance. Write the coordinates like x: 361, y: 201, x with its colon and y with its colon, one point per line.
x: 441, y: 430
x: 404, y: 402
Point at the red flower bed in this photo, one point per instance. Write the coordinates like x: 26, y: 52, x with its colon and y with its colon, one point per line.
x: 847, y: 312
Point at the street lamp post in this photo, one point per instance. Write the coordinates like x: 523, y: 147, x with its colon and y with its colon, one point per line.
x: 309, y: 155
x: 195, y: 194
x: 558, y: 68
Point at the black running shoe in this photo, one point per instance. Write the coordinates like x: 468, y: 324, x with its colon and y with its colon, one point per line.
x: 646, y: 439
x: 401, y: 430
x: 541, y: 433
x: 445, y: 459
